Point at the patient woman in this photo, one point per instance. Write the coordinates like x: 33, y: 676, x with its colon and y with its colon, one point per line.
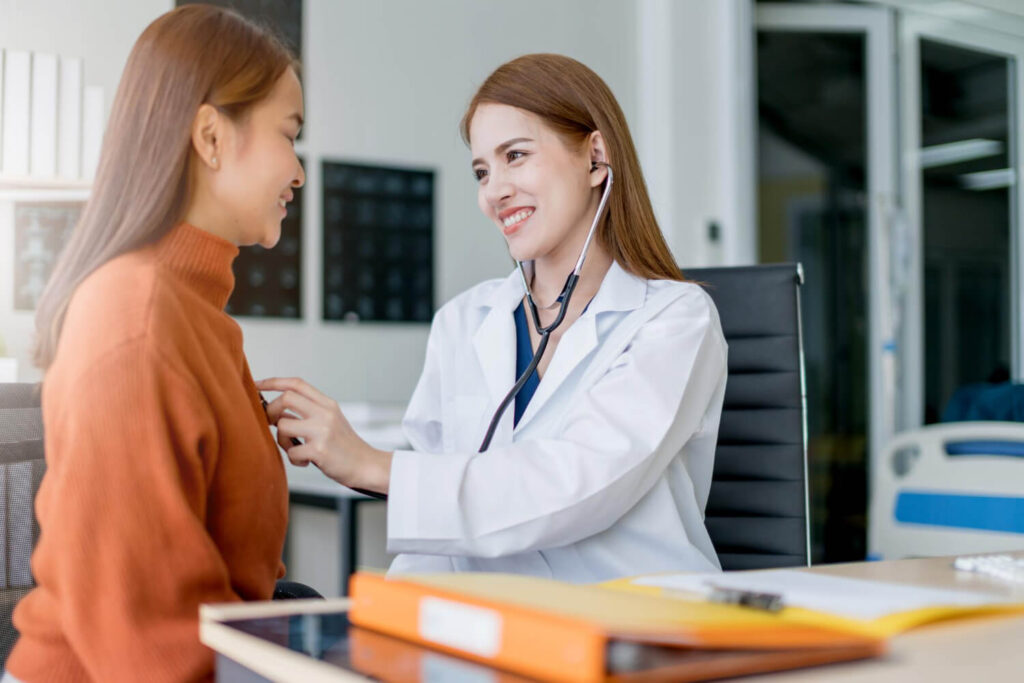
x: 164, y: 488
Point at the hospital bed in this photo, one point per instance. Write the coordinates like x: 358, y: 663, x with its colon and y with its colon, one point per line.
x: 949, y: 488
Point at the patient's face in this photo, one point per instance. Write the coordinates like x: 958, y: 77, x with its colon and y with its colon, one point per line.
x: 259, y: 168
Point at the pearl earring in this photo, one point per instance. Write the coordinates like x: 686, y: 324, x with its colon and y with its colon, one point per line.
x: 213, y: 161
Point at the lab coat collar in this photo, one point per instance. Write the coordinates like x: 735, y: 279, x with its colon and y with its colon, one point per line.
x: 494, y: 341
x: 619, y: 291
x: 507, y: 295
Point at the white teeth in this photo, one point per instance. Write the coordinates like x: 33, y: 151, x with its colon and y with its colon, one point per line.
x: 517, y: 217
x: 281, y: 202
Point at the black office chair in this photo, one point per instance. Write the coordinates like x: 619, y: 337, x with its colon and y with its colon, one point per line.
x: 21, y: 470
x: 757, y: 512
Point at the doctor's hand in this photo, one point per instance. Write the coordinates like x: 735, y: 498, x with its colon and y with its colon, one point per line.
x: 327, y: 439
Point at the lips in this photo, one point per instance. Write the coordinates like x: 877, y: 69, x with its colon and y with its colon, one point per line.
x: 512, y: 219
x: 282, y: 202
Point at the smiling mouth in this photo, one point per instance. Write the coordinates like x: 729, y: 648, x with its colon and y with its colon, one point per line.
x: 516, y: 218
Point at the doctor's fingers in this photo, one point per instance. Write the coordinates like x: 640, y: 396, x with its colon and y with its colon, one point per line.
x: 299, y: 386
x: 300, y: 456
x: 315, y: 431
x: 291, y: 401
x: 304, y: 454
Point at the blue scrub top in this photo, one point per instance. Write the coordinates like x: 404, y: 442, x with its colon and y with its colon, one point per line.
x: 524, y: 354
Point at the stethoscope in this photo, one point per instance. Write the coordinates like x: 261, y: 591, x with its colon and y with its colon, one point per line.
x: 563, y: 306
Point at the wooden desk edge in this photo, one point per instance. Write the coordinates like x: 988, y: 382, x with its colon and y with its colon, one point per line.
x: 269, y: 660
x: 225, y: 611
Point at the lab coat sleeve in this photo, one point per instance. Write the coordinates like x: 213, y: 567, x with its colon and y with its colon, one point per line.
x: 616, y: 442
x: 422, y: 424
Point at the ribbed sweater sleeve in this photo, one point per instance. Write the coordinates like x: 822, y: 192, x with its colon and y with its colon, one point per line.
x: 131, y: 450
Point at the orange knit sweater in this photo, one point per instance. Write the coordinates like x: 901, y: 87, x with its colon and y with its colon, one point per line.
x: 164, y: 488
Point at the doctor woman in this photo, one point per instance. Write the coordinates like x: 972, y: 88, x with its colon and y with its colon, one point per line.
x: 601, y: 466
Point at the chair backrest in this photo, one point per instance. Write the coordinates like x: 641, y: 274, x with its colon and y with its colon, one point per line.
x: 757, y: 512
x: 21, y: 470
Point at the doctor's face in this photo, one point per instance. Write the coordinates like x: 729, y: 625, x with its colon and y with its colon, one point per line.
x: 534, y: 185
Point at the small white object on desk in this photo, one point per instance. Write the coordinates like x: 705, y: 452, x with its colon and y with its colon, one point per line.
x: 365, y: 414
x: 999, y: 566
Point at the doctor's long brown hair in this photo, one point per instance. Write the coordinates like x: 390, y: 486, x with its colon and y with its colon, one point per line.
x: 193, y: 55
x: 575, y: 102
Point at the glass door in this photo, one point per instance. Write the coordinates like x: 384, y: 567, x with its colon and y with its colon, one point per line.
x: 826, y: 198
x: 962, y: 147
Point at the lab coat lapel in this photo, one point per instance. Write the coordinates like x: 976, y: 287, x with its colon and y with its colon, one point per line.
x: 495, y: 340
x: 619, y: 291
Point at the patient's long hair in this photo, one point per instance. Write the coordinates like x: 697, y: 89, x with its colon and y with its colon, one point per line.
x: 575, y: 102
x: 192, y: 55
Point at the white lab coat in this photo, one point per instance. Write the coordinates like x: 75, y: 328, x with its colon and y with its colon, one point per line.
x: 607, y: 473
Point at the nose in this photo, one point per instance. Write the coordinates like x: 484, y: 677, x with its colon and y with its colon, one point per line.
x: 498, y: 188
x: 300, y: 178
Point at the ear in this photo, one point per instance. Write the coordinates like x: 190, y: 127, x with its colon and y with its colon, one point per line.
x: 597, y: 155
x: 208, y: 135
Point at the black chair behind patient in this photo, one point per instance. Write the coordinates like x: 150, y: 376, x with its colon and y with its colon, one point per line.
x: 757, y: 512
x: 21, y: 469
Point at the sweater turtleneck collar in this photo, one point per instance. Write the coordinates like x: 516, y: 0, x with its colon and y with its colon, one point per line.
x: 203, y: 261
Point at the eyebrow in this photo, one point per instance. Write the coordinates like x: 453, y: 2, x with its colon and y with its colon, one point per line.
x: 502, y: 147
x: 297, y: 117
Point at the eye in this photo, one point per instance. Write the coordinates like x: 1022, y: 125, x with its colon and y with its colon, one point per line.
x: 479, y: 174
x: 514, y: 155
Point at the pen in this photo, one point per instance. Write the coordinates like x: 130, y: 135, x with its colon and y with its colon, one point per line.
x: 769, y: 602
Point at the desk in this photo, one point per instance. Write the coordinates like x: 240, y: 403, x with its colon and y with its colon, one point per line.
x: 953, y: 652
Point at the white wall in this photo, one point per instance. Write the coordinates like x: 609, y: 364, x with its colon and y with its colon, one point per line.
x: 696, y: 125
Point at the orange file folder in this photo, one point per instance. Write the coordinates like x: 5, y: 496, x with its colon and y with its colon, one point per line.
x: 393, y: 660
x: 562, y: 632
